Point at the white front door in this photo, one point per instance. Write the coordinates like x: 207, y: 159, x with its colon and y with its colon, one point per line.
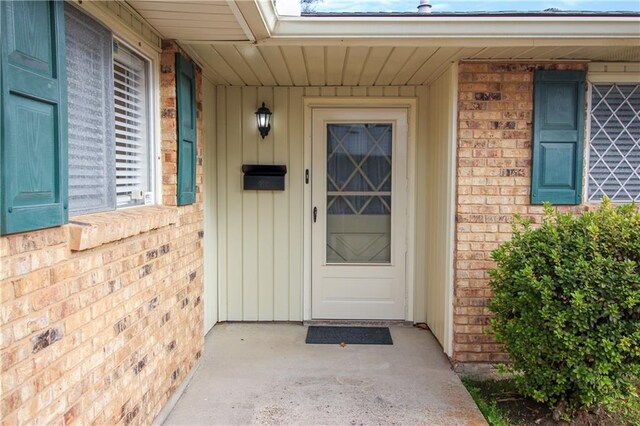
x: 359, y: 201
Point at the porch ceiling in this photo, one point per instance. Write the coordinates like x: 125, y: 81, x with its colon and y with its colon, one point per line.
x: 245, y: 42
x: 287, y: 65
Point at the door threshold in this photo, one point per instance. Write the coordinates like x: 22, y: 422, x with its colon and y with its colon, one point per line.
x: 359, y: 323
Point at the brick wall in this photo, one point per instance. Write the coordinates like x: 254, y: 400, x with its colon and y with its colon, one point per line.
x: 494, y: 177
x: 105, y: 335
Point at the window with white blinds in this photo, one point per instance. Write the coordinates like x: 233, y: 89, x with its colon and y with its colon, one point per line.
x: 131, y: 126
x: 109, y: 124
x: 614, y: 143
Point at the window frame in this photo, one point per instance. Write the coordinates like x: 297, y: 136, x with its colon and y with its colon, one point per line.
x: 153, y: 145
x: 125, y: 36
x: 599, y: 77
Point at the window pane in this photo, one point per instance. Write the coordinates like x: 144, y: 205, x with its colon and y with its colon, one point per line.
x: 90, y: 104
x: 131, y: 124
x: 614, y: 148
x: 359, y: 193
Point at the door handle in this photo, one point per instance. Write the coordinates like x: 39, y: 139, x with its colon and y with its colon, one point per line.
x: 315, y: 214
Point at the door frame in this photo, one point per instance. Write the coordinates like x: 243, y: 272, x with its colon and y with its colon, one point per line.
x: 410, y: 105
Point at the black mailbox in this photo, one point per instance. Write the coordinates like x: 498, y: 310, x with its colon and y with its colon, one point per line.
x: 264, y: 177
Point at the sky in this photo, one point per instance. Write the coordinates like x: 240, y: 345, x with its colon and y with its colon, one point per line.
x: 475, y: 5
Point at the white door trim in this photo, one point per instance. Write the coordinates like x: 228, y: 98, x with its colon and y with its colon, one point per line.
x: 352, y: 290
x: 410, y: 105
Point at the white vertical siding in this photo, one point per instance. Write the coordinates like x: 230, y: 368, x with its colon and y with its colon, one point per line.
x: 440, y: 149
x: 295, y: 184
x: 422, y: 192
x: 236, y: 281
x: 222, y: 202
x: 210, y: 205
x: 260, y: 238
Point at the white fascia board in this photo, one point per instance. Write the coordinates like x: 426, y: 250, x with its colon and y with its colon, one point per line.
x: 458, y: 30
x: 268, y: 13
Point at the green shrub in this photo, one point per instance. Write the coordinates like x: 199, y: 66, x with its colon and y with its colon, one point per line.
x: 567, y: 306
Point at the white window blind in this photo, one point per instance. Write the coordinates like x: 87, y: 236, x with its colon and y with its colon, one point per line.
x: 132, y: 156
x: 90, y: 120
x: 614, y: 143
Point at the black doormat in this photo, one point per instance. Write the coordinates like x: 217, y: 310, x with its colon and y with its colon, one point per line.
x: 349, y: 335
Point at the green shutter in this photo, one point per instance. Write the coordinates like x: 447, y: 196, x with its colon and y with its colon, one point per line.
x: 33, y: 157
x: 558, y: 137
x: 186, y: 116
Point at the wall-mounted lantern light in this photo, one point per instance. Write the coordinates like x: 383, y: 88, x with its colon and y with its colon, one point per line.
x: 263, y: 115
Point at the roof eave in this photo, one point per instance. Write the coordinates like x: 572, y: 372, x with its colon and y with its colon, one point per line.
x: 462, y: 29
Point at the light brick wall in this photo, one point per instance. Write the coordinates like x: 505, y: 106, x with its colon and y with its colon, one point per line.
x: 494, y: 178
x: 105, y: 335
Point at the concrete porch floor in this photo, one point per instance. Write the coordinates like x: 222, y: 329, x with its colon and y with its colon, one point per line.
x: 266, y: 374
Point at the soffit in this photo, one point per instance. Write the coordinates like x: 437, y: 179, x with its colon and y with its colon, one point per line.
x: 213, y: 20
x: 244, y: 43
x: 271, y: 65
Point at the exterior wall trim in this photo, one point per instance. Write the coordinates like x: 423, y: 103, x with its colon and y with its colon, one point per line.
x: 453, y: 155
x: 410, y: 103
x: 586, y: 151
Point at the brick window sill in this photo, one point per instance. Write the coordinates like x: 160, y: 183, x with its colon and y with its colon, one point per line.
x: 93, y: 230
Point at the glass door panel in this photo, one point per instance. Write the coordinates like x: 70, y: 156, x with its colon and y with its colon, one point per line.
x: 359, y: 158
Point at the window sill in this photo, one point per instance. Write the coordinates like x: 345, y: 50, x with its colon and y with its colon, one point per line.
x: 93, y: 230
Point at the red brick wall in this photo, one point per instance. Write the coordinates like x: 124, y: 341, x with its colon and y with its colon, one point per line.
x: 105, y: 335
x: 494, y: 177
